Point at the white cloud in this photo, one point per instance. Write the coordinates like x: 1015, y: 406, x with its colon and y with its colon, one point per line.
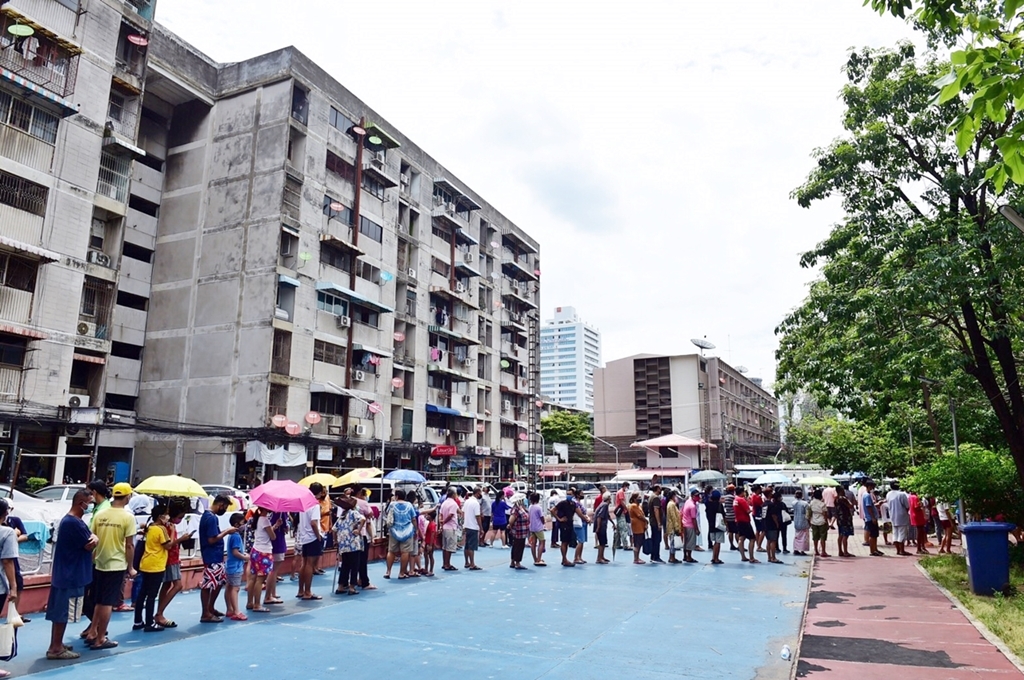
x: 650, y: 147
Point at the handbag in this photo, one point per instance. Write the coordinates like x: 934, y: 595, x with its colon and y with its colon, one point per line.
x: 720, y: 524
x: 676, y: 542
x: 786, y: 517
x: 648, y: 545
x: 8, y: 642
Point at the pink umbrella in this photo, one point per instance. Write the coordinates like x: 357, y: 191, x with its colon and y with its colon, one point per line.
x: 282, y: 495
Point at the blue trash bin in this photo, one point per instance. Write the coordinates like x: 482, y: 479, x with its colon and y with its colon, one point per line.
x: 988, y: 556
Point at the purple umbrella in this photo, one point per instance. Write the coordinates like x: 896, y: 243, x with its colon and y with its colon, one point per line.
x: 282, y: 495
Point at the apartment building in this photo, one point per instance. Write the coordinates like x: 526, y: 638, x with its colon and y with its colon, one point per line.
x: 646, y: 396
x: 76, y: 239
x: 322, y: 284
x: 570, y: 352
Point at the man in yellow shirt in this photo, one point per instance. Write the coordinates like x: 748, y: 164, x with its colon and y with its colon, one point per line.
x: 115, y: 531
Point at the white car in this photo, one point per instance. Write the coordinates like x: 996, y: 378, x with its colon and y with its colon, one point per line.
x: 29, y: 506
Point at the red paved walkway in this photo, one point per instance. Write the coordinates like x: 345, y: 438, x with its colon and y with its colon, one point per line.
x: 884, y: 612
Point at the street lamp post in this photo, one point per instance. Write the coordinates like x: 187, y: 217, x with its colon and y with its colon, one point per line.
x: 614, y: 448
x: 376, y: 408
x: 543, y: 446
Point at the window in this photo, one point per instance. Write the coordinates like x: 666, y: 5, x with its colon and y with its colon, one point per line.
x: 440, y: 266
x: 126, y: 351
x: 371, y: 229
x: 291, y: 203
x: 373, y: 187
x: 339, y: 120
x: 328, y: 353
x: 331, y: 303
x: 144, y: 206
x: 330, y: 208
x: 12, y: 351
x: 367, y: 271
x: 364, y: 316
x: 120, y: 402
x: 341, y: 167
x: 281, y: 352
x: 333, y: 256
x: 26, y: 117
x: 137, y: 252
x: 300, y: 103
x: 115, y: 171
x: 326, y: 404
x: 132, y: 301
x: 441, y: 232
x: 18, y: 272
x: 22, y: 194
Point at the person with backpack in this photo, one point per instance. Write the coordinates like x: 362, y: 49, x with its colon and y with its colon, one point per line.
x: 401, y: 521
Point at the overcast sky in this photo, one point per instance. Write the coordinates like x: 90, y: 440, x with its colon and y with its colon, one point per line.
x: 649, y: 146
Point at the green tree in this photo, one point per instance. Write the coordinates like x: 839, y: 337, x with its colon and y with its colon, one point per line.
x: 984, y: 73
x: 921, y: 277
x: 985, y: 480
x: 847, y: 446
x: 567, y: 427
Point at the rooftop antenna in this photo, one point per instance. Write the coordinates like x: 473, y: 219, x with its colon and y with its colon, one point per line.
x: 703, y: 343
x: 742, y: 369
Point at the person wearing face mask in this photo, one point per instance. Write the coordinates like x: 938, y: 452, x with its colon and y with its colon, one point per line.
x: 113, y: 557
x: 72, y: 572
x: 211, y: 547
x: 152, y: 567
x: 172, y: 574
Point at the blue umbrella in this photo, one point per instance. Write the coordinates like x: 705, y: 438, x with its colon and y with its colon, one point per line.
x: 406, y: 476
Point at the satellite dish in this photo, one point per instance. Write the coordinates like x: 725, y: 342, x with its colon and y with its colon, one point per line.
x: 336, y: 207
x: 742, y: 369
x: 703, y: 343
x: 137, y: 39
x: 357, y: 131
x: 495, y: 244
x: 313, y: 417
x: 375, y: 140
x: 374, y: 407
x: 305, y: 256
x: 21, y: 30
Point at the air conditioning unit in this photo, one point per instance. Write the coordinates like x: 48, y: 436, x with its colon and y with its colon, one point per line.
x: 461, y: 437
x: 87, y: 328
x: 404, y: 178
x: 506, y: 405
x: 358, y: 376
x: 343, y: 321
x: 468, y: 258
x: 96, y: 257
x: 460, y: 287
x: 412, y: 273
x: 467, y: 399
x: 79, y: 401
x: 359, y: 430
x: 378, y: 164
x: 449, y: 208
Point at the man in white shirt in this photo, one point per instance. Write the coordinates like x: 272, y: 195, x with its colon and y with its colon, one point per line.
x: 471, y: 522
x: 899, y: 512
x: 311, y: 544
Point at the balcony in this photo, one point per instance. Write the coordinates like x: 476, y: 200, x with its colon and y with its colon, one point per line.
x: 450, y: 213
x: 40, y: 58
x: 10, y: 384
x: 21, y: 147
x: 144, y: 8
x: 519, y: 291
x: 60, y: 16
x: 376, y: 165
x: 517, y: 266
x: 15, y: 305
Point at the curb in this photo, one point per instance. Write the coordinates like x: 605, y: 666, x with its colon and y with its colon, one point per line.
x: 981, y: 627
x: 795, y: 658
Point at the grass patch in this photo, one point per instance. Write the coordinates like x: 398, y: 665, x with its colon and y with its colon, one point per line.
x: 1003, y: 615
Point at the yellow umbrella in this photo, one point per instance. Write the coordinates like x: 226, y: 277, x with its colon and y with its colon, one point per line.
x: 322, y: 477
x: 171, y: 485
x: 358, y: 475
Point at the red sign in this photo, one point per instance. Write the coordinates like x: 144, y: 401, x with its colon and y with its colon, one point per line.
x: 443, y: 450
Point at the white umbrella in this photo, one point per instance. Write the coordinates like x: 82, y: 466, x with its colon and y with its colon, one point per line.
x: 773, y: 478
x: 707, y: 476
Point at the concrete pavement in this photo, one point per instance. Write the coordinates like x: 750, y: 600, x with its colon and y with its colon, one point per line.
x: 648, y: 621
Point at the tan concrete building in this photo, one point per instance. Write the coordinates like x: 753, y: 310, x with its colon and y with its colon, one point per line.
x: 646, y: 396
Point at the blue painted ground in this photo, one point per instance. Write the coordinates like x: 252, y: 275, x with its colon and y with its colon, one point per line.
x: 647, y: 621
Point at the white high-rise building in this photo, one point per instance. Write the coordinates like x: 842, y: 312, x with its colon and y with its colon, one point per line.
x: 570, y: 352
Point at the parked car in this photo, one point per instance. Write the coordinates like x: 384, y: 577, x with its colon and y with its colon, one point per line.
x: 31, y: 507
x: 241, y: 497
x: 59, y: 492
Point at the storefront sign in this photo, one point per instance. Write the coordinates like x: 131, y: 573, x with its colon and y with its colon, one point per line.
x: 484, y: 451
x: 443, y: 450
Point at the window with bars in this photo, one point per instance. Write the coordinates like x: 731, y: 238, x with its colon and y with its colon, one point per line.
x: 115, y: 173
x: 338, y: 258
x: 281, y: 358
x: 291, y: 205
x: 341, y: 167
x: 328, y: 353
x: 22, y: 194
x: 18, y: 272
x: 28, y: 118
x: 326, y: 404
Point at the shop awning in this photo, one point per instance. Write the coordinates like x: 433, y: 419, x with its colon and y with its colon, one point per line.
x: 551, y: 473
x: 352, y: 295
x: 28, y: 248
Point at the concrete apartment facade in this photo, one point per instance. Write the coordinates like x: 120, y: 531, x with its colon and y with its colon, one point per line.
x: 570, y: 352
x: 75, y: 245
x: 646, y: 396
x: 280, y: 290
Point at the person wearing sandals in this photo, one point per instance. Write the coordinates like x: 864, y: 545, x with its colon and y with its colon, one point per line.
x: 691, y: 525
x: 401, y: 520
x: 429, y: 529
x: 773, y: 525
x: 472, y: 517
x: 261, y: 562
x: 843, y: 510
x: 601, y: 520
x: 234, y: 568
x: 172, y: 574
x: 715, y: 513
x: 348, y: 536
x: 638, y: 525
x: 113, y: 557
x: 72, y: 572
x: 278, y: 548
x: 817, y: 514
x: 744, y: 532
x: 673, y: 526
x: 152, y: 567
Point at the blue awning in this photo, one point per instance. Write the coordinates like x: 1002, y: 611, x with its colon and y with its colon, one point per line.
x: 443, y: 410
x: 354, y: 296
x: 287, y: 280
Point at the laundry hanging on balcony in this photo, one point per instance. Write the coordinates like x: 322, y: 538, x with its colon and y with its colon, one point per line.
x: 291, y: 456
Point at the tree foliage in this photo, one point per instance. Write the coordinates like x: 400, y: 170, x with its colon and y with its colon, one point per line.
x: 985, y: 480
x: 922, y: 277
x: 567, y: 427
x: 843, y: 445
x: 985, y: 72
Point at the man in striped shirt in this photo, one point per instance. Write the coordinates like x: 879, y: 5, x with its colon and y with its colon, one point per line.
x: 730, y: 516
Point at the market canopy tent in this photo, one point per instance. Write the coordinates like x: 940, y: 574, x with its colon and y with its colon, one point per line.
x: 682, y: 450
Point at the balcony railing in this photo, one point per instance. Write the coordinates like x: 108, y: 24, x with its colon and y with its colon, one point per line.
x: 144, y: 8
x: 24, y: 148
x: 15, y: 305
x: 10, y: 384
x: 38, y: 58
x: 58, y: 16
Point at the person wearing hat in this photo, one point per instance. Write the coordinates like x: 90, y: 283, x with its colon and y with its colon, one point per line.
x: 691, y: 527
x: 113, y: 557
